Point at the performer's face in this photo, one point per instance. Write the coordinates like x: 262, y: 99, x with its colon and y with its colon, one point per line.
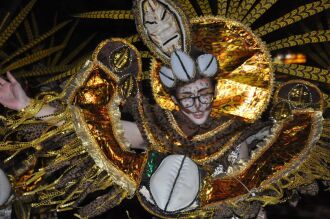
x: 162, y: 28
x: 195, y: 99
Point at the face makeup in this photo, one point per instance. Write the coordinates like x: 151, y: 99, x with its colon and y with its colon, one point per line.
x: 195, y: 100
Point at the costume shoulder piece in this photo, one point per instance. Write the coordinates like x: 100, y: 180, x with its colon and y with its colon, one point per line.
x: 94, y: 97
x: 87, y: 152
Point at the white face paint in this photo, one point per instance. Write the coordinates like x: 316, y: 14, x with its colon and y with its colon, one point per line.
x: 195, y: 100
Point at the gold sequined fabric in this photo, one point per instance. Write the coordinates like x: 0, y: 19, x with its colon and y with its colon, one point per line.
x: 245, y: 78
x: 291, y: 146
x: 98, y: 123
x: 94, y: 98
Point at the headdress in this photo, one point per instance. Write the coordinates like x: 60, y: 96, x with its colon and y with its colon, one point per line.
x: 233, y: 55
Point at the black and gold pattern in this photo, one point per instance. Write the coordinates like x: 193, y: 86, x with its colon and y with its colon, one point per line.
x: 205, y: 7
x: 293, y: 16
x: 222, y: 8
x: 16, y: 22
x: 306, y: 72
x: 113, y: 14
x: 244, y: 7
x: 257, y: 11
x: 297, y: 40
x: 188, y: 8
x: 232, y: 9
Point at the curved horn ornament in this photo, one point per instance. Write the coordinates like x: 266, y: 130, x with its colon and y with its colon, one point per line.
x: 183, y: 66
x: 207, y: 65
x: 167, y: 77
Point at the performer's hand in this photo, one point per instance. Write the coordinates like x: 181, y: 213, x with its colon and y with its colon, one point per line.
x: 12, y: 94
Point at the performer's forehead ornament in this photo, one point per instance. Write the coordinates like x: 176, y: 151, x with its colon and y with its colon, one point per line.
x: 233, y: 56
x: 185, y: 69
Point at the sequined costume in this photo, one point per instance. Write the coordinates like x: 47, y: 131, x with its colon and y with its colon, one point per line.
x: 88, y: 153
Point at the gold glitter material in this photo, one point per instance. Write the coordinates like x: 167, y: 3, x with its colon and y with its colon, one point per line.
x: 199, y: 137
x: 95, y: 110
x: 281, y: 110
x: 120, y: 58
x: 220, y: 152
x: 287, y: 149
x: 239, y: 99
x: 127, y: 87
x: 245, y: 79
x: 300, y: 94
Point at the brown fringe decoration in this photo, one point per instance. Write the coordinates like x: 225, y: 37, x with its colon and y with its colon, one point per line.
x: 315, y: 167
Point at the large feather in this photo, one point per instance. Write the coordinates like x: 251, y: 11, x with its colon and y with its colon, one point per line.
x: 311, y: 37
x: 65, y: 43
x: 296, y: 15
x: 35, y: 42
x: 16, y: 22
x: 33, y: 58
x: 111, y: 14
x: 307, y: 72
x: 71, y: 55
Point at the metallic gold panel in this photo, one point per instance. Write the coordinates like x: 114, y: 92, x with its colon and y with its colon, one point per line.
x: 243, y: 60
x: 94, y: 99
x: 239, y: 99
x: 291, y: 144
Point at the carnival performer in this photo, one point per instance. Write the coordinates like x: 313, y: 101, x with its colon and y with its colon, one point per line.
x: 218, y: 141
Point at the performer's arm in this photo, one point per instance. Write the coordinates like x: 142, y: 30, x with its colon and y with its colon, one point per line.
x: 14, y: 97
x: 133, y: 135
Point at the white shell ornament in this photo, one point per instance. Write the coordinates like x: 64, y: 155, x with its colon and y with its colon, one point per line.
x: 183, y: 66
x: 175, y: 184
x: 207, y: 65
x: 5, y: 188
x: 167, y: 77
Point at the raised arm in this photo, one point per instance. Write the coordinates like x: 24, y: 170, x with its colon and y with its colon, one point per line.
x: 14, y: 97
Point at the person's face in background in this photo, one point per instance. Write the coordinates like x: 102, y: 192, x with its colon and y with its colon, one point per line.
x: 195, y: 100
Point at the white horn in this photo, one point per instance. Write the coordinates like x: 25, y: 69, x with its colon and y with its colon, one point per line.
x: 183, y: 66
x: 207, y: 65
x: 167, y: 77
